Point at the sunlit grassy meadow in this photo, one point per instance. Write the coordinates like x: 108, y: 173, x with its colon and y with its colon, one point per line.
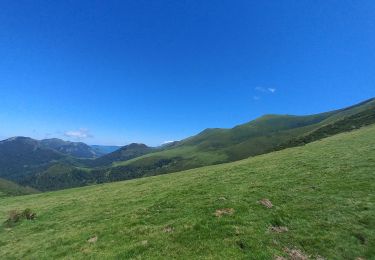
x: 323, y: 193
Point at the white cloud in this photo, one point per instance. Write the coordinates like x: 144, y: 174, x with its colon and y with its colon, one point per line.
x: 272, y: 90
x: 78, y: 134
x: 168, y: 142
x: 265, y: 90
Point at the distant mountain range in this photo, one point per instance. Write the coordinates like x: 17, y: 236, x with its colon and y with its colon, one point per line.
x: 54, y: 164
x: 23, y: 156
x: 75, y: 149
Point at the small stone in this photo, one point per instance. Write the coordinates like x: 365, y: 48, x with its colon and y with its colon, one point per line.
x: 296, y: 254
x: 168, y: 229
x: 279, y: 229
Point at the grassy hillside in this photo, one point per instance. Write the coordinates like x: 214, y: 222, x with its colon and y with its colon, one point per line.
x: 8, y: 188
x: 323, y: 205
x: 256, y: 137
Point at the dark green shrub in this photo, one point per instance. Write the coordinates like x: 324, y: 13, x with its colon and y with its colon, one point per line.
x: 28, y: 214
x: 14, y: 216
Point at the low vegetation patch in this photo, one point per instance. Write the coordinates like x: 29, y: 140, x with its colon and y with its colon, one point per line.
x: 296, y: 254
x: 223, y: 212
x: 266, y: 202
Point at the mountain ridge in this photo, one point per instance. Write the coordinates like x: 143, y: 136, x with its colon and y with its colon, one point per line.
x: 211, y: 146
x: 215, y: 146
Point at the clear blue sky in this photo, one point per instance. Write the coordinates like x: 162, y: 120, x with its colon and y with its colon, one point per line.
x: 115, y: 72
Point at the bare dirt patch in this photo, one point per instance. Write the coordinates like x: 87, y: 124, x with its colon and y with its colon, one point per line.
x: 16, y: 216
x: 93, y: 239
x: 221, y: 212
x: 266, y: 202
x: 241, y: 244
x: 296, y: 254
x: 168, y: 229
x: 86, y: 250
x: 278, y: 229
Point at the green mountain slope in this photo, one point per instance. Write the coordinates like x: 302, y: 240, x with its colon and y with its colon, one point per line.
x: 262, y: 135
x: 8, y: 188
x: 256, y: 137
x: 222, y: 145
x: 323, y: 206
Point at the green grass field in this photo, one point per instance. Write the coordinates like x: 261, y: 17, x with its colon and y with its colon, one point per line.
x: 324, y: 193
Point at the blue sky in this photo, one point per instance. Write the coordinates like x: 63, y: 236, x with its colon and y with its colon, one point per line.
x: 115, y: 72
